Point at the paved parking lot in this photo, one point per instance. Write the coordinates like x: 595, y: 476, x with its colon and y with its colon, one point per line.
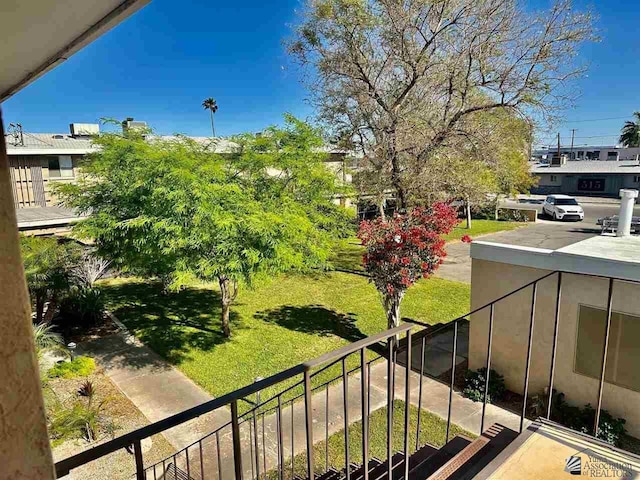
x: 543, y: 234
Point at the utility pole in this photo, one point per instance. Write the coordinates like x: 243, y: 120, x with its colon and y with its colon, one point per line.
x: 573, y: 132
x: 559, y: 157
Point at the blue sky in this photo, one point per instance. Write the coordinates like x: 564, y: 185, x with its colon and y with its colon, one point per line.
x: 161, y: 63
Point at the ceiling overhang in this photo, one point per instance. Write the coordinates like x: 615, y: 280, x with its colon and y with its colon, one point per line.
x: 38, y: 35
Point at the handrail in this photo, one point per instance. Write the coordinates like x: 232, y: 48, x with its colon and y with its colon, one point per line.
x: 63, y: 467
x: 355, y: 346
x: 476, y: 310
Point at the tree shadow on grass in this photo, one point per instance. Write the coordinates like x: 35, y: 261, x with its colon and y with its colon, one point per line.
x: 314, y: 319
x: 169, y: 323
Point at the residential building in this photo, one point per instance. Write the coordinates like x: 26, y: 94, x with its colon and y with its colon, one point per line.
x: 598, y: 275
x: 598, y: 177
x: 593, y: 152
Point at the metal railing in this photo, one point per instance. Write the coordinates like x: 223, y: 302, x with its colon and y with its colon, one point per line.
x: 307, y: 371
x: 197, y: 462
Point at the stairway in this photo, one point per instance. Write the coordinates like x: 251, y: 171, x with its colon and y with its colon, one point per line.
x: 460, y: 459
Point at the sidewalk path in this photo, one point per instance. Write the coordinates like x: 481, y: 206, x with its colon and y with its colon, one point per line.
x: 157, y: 389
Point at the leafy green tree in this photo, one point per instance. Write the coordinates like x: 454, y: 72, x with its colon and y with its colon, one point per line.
x: 177, y: 210
x: 630, y: 133
x: 48, y: 267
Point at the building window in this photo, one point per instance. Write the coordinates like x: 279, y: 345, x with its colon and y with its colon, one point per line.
x: 636, y: 179
x: 554, y: 178
x: 60, y: 167
x: 612, y: 155
x: 623, y: 354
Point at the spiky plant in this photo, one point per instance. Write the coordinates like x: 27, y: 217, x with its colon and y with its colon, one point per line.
x: 46, y: 339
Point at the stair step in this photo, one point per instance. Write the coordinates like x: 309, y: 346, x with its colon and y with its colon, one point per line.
x: 431, y: 464
x: 476, y: 455
x: 331, y: 474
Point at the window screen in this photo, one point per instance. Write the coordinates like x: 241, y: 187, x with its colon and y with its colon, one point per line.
x: 623, y: 356
x: 61, y: 166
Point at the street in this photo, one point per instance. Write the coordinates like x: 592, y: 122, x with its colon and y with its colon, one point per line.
x: 545, y: 233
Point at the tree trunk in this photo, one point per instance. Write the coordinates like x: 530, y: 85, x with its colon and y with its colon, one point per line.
x: 392, y: 309
x: 396, y: 181
x: 381, y: 208
x: 497, y: 206
x: 468, y: 212
x: 39, y: 308
x: 51, y: 309
x: 228, y: 291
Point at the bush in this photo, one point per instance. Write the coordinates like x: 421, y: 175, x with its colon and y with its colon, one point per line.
x: 509, y: 215
x: 83, y: 307
x: 610, y: 429
x: 83, y: 420
x: 474, y: 385
x: 78, y: 367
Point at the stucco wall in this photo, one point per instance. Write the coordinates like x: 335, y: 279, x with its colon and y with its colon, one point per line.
x: 490, y: 280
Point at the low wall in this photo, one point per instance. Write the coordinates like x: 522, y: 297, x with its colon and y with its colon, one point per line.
x: 530, y: 213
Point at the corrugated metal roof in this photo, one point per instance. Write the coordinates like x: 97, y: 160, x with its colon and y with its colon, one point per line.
x: 589, y: 166
x: 47, y: 141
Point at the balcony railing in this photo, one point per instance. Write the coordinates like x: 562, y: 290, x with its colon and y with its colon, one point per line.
x: 255, y: 443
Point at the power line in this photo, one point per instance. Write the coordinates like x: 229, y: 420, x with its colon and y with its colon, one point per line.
x: 598, y: 119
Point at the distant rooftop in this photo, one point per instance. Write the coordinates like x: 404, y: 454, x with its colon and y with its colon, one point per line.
x: 589, y: 166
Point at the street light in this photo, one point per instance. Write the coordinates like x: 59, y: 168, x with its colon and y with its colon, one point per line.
x: 71, y: 346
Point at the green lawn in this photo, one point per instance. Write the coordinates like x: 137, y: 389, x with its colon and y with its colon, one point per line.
x: 432, y: 431
x: 349, y: 256
x: 275, y: 325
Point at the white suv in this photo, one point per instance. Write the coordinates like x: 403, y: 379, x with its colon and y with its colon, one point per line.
x: 562, y: 207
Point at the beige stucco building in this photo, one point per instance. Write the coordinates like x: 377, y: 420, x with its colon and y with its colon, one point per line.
x: 499, y: 269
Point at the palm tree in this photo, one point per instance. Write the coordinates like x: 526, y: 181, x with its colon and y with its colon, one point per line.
x: 630, y: 133
x: 211, y: 105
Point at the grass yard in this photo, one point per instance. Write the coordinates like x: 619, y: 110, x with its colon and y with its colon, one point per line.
x: 274, y: 326
x: 432, y: 431
x: 349, y: 256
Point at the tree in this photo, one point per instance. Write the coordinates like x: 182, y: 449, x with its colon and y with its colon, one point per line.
x: 211, y: 105
x: 630, y: 133
x: 403, y: 249
x: 48, y: 268
x: 401, y: 81
x: 176, y: 209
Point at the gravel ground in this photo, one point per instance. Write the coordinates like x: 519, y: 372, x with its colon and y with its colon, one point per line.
x: 125, y: 416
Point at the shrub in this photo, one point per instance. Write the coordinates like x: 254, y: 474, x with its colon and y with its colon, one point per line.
x: 610, y: 429
x: 509, y: 215
x: 474, y: 385
x: 84, y: 307
x: 83, y: 420
x: 78, y: 367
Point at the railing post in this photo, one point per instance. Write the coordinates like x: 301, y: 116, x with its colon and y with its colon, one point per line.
x: 308, y: 409
x: 424, y: 340
x: 137, y: 453
x: 390, y: 394
x: 604, y: 358
x: 407, y: 405
x: 364, y: 395
x: 280, y: 441
x: 237, y: 446
x: 255, y: 433
x: 486, y: 381
x: 554, y: 345
x: 454, y: 354
x: 528, y: 364
x: 345, y: 402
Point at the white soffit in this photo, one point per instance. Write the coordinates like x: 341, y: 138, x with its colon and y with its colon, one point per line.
x: 37, y: 35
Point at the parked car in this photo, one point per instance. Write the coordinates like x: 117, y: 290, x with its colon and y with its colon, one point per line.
x: 562, y: 207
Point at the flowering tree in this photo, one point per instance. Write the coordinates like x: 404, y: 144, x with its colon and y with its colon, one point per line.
x: 403, y: 249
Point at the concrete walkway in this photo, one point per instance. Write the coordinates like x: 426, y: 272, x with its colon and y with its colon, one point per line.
x: 157, y: 389
x: 435, y: 398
